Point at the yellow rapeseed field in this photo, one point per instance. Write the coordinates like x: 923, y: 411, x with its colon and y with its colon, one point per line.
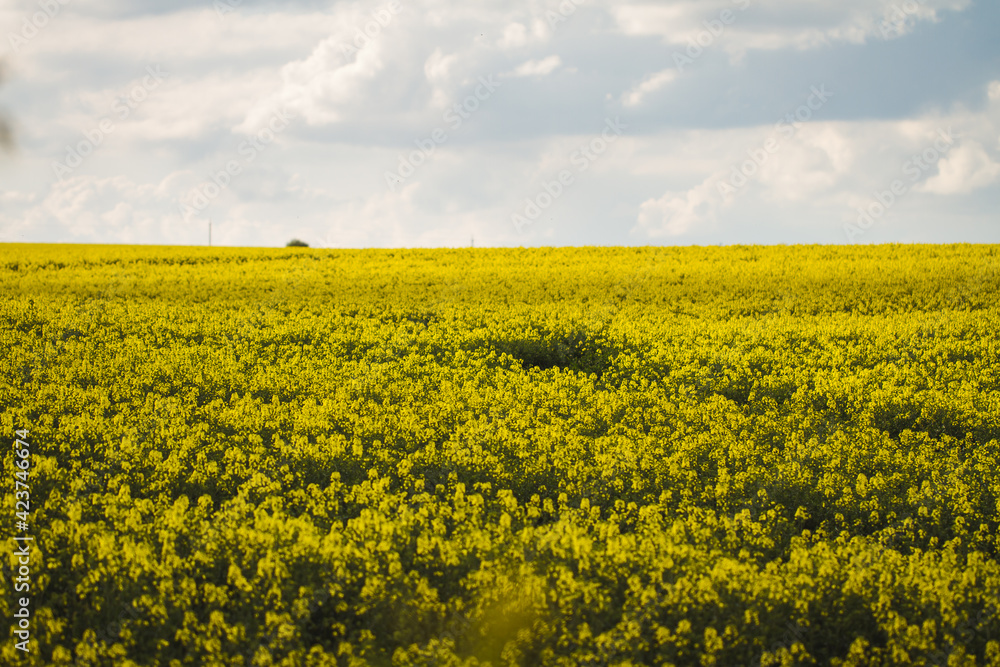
x: 581, y: 456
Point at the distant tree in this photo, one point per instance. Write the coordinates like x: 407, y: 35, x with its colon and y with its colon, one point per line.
x: 295, y: 243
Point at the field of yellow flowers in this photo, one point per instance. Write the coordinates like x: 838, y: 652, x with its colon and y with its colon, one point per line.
x: 580, y: 456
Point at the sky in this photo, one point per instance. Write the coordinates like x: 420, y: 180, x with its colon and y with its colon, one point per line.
x: 436, y: 123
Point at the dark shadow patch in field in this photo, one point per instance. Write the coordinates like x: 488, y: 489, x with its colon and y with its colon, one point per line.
x: 576, y: 349
x: 937, y: 420
x: 571, y: 352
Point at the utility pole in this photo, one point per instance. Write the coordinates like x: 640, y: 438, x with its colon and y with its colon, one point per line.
x: 209, y: 232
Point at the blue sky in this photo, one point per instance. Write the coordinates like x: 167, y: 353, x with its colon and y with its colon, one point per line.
x: 403, y: 123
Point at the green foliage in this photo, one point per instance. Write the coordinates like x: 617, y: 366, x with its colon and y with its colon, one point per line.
x: 296, y: 243
x: 648, y: 456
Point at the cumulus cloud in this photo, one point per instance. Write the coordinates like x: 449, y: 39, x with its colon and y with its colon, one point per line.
x: 836, y: 167
x: 814, y: 162
x: 542, y: 67
x: 650, y: 84
x: 437, y: 69
x: 515, y: 36
x: 966, y: 168
x: 677, y: 213
x: 325, y: 86
x: 86, y: 208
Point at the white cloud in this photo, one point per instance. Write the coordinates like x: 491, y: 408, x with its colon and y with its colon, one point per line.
x: 144, y: 39
x: 814, y: 162
x: 650, y: 84
x: 437, y: 69
x: 965, y: 168
x: 13, y: 197
x: 323, y: 87
x: 515, y: 36
x: 737, y: 27
x: 677, y: 213
x: 824, y: 166
x: 542, y: 67
x: 85, y: 208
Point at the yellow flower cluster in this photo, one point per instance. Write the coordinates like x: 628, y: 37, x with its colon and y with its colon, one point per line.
x: 588, y: 456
